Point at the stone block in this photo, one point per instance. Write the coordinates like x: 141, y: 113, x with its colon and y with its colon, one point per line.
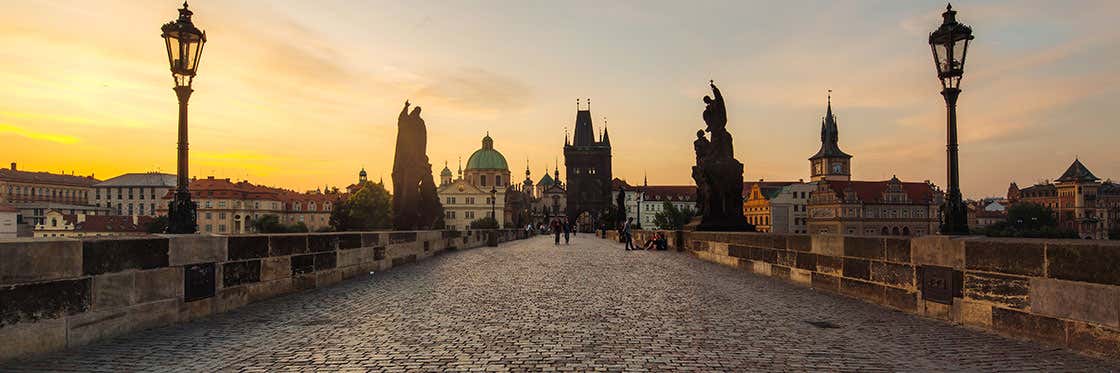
x: 861, y: 289
x: 401, y: 237
x: 806, y: 261
x: 824, y: 281
x: 975, y: 314
x: 936, y: 310
x: 44, y: 300
x: 276, y: 268
x: 830, y: 264
x: 761, y: 268
x: 1025, y: 325
x: 322, y: 242
x: 327, y: 277
x: 1005, y: 291
x: 1087, y: 337
x: 739, y: 251
x: 864, y: 247
x: 287, y: 244
x: 352, y: 257
x: 1088, y: 262
x: 114, y: 291
x: 351, y: 271
x: 780, y: 272
x: 1012, y: 256
x: 303, y: 264
x: 765, y: 255
x: 897, y: 249
x: 34, y: 260
x: 901, y: 299
x: 1076, y: 300
x: 718, y: 248
x: 240, y: 273
x: 84, y: 328
x: 801, y: 276
x: 786, y: 258
x: 326, y: 260
x: 32, y: 338
x: 157, y: 284
x: 196, y: 309
x: 150, y: 315
x: 374, y: 239
x: 767, y: 240
x: 194, y: 249
x: 399, y: 261
x: 943, y: 251
x: 799, y: 242
x: 897, y: 275
x: 115, y: 255
x: 378, y: 253
x: 857, y: 269
x: 827, y: 244
x: 247, y: 247
x: 268, y: 289
x: 231, y: 298
x: 349, y: 241
x: 303, y: 282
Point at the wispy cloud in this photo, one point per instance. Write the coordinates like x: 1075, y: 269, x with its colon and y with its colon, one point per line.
x: 34, y: 135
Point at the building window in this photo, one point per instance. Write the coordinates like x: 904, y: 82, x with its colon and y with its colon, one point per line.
x: 498, y: 180
x: 221, y: 228
x: 209, y: 216
x: 222, y: 215
x: 482, y: 180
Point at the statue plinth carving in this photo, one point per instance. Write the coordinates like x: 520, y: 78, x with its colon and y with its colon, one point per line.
x: 415, y: 203
x: 718, y: 175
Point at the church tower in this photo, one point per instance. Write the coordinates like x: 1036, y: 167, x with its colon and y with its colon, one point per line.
x: 830, y: 163
x: 588, y: 167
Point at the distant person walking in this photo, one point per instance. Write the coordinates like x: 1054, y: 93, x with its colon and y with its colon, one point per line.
x: 627, y: 237
x: 556, y: 230
x: 567, y: 231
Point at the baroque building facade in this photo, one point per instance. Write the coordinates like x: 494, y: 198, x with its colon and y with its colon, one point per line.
x: 133, y: 194
x: 227, y: 207
x: 588, y: 166
x: 34, y: 193
x: 1081, y: 201
x: 479, y: 190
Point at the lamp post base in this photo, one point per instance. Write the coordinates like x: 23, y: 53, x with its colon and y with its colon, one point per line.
x: 955, y: 222
x: 182, y: 215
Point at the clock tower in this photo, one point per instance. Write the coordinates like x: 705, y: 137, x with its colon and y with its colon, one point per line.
x: 830, y: 163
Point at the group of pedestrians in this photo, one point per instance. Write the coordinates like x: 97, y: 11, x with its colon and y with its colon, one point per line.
x: 562, y: 226
x: 656, y: 242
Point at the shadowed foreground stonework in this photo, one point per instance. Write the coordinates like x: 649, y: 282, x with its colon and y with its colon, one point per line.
x: 530, y: 306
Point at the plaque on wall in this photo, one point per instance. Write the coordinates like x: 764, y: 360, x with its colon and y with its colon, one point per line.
x: 198, y: 281
x: 938, y: 284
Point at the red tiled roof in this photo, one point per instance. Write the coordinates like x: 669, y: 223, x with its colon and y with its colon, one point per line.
x: 7, y: 174
x: 617, y: 183
x: 871, y: 191
x: 107, y: 223
x: 669, y: 193
x: 226, y: 189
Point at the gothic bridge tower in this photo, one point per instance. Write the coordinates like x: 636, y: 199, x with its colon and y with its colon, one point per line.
x: 588, y: 166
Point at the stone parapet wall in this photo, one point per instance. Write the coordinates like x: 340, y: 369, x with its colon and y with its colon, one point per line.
x: 62, y: 293
x: 1060, y: 292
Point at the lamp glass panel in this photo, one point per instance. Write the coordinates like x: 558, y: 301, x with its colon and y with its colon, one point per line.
x: 192, y: 53
x: 174, y: 49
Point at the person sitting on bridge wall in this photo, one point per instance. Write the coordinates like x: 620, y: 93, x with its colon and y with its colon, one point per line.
x: 657, y: 241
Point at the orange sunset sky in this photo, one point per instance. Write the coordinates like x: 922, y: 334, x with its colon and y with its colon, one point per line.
x: 301, y: 94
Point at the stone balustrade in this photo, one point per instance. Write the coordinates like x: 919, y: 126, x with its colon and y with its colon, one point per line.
x: 61, y: 293
x: 1060, y: 292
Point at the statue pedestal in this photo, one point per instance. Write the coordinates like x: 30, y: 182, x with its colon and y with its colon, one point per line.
x: 724, y: 195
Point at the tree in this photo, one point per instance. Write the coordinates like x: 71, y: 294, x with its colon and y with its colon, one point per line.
x: 1029, y: 220
x: 270, y: 223
x: 485, y: 223
x: 670, y: 217
x: 157, y: 225
x: 369, y: 208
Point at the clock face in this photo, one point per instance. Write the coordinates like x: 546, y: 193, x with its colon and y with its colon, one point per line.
x: 837, y: 168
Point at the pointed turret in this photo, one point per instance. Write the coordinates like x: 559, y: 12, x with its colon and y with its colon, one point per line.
x: 1077, y: 172
x: 606, y: 134
x: 585, y: 131
x: 830, y: 136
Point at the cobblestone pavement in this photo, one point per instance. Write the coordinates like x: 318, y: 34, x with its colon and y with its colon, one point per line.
x: 529, y: 305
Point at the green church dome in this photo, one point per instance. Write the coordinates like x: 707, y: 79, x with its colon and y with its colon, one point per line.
x: 487, y: 158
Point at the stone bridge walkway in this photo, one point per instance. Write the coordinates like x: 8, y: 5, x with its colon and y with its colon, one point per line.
x: 531, y: 306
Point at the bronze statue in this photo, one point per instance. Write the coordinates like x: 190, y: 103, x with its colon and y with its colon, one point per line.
x: 718, y: 176
x: 415, y: 204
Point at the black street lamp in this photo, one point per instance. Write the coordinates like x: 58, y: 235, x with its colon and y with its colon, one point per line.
x: 184, y: 50
x: 493, y: 201
x: 949, y: 44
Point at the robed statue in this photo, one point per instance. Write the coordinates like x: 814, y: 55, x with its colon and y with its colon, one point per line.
x: 415, y: 203
x: 718, y: 175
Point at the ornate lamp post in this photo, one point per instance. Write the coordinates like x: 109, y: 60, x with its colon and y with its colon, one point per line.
x: 184, y: 49
x: 949, y: 44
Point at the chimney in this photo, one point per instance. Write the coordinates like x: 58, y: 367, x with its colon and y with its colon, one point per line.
x: 13, y: 166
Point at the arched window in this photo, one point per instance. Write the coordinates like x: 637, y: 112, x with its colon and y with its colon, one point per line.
x: 498, y: 180
x: 482, y: 180
x: 885, y: 231
x: 54, y: 222
x: 906, y: 231
x: 894, y: 231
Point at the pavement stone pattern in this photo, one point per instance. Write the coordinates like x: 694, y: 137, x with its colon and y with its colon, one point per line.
x: 589, y: 306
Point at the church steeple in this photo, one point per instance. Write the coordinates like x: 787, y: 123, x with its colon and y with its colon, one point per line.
x: 830, y: 163
x: 585, y: 131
